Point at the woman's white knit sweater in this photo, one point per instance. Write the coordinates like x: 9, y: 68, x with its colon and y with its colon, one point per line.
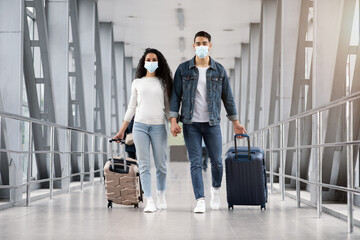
x: 148, y: 102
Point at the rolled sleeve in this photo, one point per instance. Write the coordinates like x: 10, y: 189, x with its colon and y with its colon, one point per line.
x: 232, y: 117
x: 174, y: 114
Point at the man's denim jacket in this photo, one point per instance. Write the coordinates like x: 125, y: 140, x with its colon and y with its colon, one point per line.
x: 218, y: 88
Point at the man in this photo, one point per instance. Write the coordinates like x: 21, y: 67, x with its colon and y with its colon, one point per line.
x: 199, y: 85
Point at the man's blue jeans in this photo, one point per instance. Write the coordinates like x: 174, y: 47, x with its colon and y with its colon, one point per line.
x: 145, y: 134
x: 193, y: 134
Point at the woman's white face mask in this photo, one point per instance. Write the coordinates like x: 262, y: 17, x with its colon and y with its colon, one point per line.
x: 151, y: 66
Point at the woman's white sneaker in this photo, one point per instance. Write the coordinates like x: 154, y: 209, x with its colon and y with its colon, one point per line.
x: 161, y: 201
x: 200, y: 206
x: 150, y: 206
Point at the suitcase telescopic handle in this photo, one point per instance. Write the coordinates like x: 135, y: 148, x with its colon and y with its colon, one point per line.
x: 117, y: 139
x: 122, y: 142
x: 248, y: 140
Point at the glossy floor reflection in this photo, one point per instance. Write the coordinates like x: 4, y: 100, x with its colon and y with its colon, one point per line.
x: 83, y: 215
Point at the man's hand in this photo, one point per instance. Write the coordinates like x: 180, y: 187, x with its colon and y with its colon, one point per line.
x: 238, y: 128
x: 175, y: 128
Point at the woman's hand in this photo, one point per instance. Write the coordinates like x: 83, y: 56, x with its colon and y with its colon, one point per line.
x: 119, y: 135
x: 175, y: 129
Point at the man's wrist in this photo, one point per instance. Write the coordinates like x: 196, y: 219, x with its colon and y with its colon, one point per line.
x: 236, y: 122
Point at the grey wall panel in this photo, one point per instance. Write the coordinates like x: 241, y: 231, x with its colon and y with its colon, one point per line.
x: 106, y: 65
x: 121, y: 78
x: 259, y: 82
x: 341, y: 14
x: 237, y: 83
x: 329, y: 20
x: 79, y: 119
x: 274, y: 103
x: 58, y: 36
x: 290, y: 37
x: 11, y: 82
x: 58, y: 29
x: 229, y: 126
x: 129, y: 77
x: 253, y: 72
x: 293, y: 101
x: 244, y: 82
x: 268, y: 35
x: 86, y: 15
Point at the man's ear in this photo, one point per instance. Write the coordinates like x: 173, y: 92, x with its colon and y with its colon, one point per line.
x: 210, y: 45
x: 194, y: 46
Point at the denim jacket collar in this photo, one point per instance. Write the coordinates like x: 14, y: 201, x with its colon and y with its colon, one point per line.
x: 212, y: 63
x: 218, y: 90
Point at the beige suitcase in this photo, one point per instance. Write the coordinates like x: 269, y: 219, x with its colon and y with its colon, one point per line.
x: 122, y: 181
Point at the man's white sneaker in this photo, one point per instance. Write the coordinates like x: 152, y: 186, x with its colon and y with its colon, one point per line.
x: 200, y: 206
x: 150, y: 205
x: 215, y: 198
x: 161, y: 201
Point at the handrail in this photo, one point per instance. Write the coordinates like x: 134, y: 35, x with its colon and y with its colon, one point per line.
x: 335, y: 187
x: 49, y: 124
x: 318, y: 146
x: 324, y: 107
x: 48, y: 151
x: 52, y: 152
x: 46, y: 180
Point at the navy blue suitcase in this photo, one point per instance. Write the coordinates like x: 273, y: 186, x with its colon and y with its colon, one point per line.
x: 245, y: 175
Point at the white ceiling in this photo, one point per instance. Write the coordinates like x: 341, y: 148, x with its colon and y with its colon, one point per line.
x: 156, y: 26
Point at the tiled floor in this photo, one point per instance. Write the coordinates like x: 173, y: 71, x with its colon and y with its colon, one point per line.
x: 83, y: 215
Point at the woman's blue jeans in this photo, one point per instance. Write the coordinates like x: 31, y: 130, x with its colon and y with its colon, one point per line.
x: 193, y: 134
x: 143, y: 135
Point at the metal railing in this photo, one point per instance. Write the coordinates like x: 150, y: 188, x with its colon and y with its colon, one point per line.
x: 317, y: 116
x: 67, y: 153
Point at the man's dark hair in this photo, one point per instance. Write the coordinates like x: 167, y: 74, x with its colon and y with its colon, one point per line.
x: 202, y: 34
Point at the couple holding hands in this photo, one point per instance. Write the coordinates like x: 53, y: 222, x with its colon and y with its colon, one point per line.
x: 199, y: 85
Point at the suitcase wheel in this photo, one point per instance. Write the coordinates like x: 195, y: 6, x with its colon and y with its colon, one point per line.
x: 109, y: 205
x: 231, y: 207
x: 263, y: 207
x: 136, y: 205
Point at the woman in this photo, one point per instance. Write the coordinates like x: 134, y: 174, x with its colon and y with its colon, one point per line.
x: 149, y: 101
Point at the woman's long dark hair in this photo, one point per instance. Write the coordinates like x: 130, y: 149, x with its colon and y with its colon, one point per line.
x: 163, y: 71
